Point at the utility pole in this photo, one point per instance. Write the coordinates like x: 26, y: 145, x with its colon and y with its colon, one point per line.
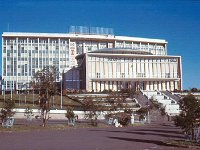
x: 11, y: 90
x: 61, y: 100
x: 4, y: 93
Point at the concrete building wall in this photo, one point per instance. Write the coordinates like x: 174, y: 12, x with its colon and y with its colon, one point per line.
x: 23, y: 54
x: 148, y: 72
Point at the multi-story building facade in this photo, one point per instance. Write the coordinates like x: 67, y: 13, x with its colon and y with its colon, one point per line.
x: 116, y: 69
x: 23, y: 54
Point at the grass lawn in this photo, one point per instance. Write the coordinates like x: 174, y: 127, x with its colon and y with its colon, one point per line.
x: 35, y: 125
x: 31, y: 100
x: 185, y: 143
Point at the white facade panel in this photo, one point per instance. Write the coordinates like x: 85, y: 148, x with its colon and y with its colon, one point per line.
x: 147, y: 71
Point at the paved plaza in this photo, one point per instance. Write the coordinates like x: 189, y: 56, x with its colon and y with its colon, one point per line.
x: 145, y: 137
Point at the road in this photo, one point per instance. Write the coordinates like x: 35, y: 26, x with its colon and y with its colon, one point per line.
x: 147, y: 137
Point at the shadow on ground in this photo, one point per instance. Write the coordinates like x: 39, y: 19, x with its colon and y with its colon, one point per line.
x: 161, y: 131
x: 146, y: 141
x: 145, y: 133
x: 156, y: 132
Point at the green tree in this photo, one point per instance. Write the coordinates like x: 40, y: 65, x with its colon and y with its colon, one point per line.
x: 194, y: 90
x: 70, y: 115
x: 44, y: 83
x: 190, y: 114
x: 119, y: 107
x: 162, y: 111
x: 92, y: 109
x: 7, y: 111
x: 142, y: 112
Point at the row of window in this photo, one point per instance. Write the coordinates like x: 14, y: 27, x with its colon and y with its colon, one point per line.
x: 142, y: 85
x: 90, y: 44
x: 35, y: 59
x: 24, y: 71
x: 130, y: 60
x: 36, y: 51
x: 141, y: 75
x: 36, y: 40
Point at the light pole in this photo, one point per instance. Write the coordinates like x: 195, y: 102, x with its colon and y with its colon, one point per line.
x: 11, y: 83
x: 33, y: 87
x: 1, y: 86
x: 53, y: 102
x: 61, y: 100
x: 33, y: 97
x: 25, y: 93
x: 4, y: 94
x: 19, y: 88
x: 148, y: 115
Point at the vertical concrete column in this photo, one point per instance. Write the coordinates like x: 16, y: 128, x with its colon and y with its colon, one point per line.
x: 176, y: 85
x: 102, y: 86
x: 147, y: 86
x: 115, y: 44
x: 159, y: 86
x: 163, y: 86
x: 155, y: 85
x: 165, y: 49
x: 111, y: 85
x: 151, y: 85
x: 132, y: 45
x: 136, y: 85
x: 98, y: 45
x: 117, y: 85
x: 122, y: 85
x: 98, y: 86
x: 114, y: 86
x: 124, y: 45
x: 106, y: 85
x: 131, y: 85
x: 168, y: 85
x: 89, y: 87
x: 171, y: 85
x: 94, y: 86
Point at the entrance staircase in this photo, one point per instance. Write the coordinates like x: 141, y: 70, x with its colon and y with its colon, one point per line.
x: 142, y: 99
x: 166, y: 101
x: 171, y: 95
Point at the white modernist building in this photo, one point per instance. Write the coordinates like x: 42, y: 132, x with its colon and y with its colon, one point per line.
x: 116, y: 69
x: 111, y: 62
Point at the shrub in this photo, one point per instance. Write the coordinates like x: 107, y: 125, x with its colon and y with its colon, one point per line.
x: 70, y: 114
x: 7, y: 110
x: 124, y: 119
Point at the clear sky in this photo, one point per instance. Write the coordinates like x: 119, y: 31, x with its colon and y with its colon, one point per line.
x: 177, y: 21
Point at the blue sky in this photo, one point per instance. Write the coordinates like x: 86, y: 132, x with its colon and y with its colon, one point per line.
x: 177, y: 21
